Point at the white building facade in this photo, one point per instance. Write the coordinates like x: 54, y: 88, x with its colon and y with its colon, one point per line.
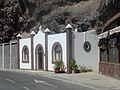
x: 41, y: 50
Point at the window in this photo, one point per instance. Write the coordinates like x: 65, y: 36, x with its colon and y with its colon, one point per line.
x: 25, y: 53
x: 119, y: 54
x: 56, y: 52
x: 111, y: 52
x: 112, y: 55
x: 103, y: 54
x: 112, y: 49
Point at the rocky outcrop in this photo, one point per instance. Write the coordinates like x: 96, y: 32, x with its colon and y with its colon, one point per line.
x: 12, y: 19
x: 23, y: 15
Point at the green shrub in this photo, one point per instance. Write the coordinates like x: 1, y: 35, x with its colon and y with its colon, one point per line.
x: 83, y: 67
x: 73, y: 65
x: 59, y: 64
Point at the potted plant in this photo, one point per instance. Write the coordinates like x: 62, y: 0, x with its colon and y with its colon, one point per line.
x: 59, y: 66
x: 74, y: 66
x: 62, y: 70
x: 83, y: 69
x: 89, y: 69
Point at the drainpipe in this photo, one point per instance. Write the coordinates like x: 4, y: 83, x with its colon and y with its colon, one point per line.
x: 69, y: 46
x: 32, y: 49
x: 47, y: 31
x: 18, y: 43
x: 84, y: 36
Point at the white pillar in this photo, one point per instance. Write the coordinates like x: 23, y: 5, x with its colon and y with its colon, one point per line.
x: 10, y: 54
x: 3, y: 56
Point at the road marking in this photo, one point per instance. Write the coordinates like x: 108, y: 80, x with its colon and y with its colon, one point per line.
x: 10, y: 80
x: 43, y: 82
x: 73, y: 83
x: 26, y: 88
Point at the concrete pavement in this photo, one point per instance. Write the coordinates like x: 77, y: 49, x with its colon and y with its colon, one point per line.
x: 89, y: 79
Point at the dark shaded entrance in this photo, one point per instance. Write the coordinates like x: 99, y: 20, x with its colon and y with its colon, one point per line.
x: 39, y: 57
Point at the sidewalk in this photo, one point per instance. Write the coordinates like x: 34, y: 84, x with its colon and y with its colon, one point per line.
x: 90, y: 79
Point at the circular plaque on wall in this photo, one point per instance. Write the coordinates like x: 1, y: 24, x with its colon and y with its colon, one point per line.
x: 87, y: 46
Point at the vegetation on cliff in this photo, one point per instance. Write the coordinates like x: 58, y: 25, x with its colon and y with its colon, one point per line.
x: 24, y: 15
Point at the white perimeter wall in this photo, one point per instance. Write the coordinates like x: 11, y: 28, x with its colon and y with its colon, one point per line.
x: 26, y: 42
x: 89, y: 59
x: 61, y: 38
x: 39, y: 38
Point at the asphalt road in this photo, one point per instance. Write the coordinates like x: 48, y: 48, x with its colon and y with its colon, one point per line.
x: 21, y: 81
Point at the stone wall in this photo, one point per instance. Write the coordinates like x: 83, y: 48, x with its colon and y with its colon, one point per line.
x: 112, y: 70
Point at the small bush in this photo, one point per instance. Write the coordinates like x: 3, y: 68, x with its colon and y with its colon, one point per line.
x: 74, y: 65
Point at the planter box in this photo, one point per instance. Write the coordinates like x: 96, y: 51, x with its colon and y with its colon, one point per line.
x: 83, y: 70
x: 75, y: 71
x: 89, y: 70
x: 59, y: 70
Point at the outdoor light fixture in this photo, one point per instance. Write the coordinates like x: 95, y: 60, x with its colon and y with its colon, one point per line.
x: 102, y: 43
x: 113, y: 44
x: 76, y: 29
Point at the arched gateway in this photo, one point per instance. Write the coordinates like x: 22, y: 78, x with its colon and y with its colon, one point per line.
x: 39, y: 57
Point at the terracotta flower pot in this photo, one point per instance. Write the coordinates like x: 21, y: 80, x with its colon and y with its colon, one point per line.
x: 57, y: 69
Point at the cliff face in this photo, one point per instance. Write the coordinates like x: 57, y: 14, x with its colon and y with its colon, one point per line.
x: 23, y: 15
x: 55, y: 14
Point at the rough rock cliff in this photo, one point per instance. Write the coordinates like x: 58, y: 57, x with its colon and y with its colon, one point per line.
x: 23, y: 15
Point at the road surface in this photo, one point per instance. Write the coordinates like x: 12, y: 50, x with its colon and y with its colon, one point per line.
x: 22, y: 81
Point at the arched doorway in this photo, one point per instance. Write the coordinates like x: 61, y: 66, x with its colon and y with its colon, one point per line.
x: 39, y: 57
